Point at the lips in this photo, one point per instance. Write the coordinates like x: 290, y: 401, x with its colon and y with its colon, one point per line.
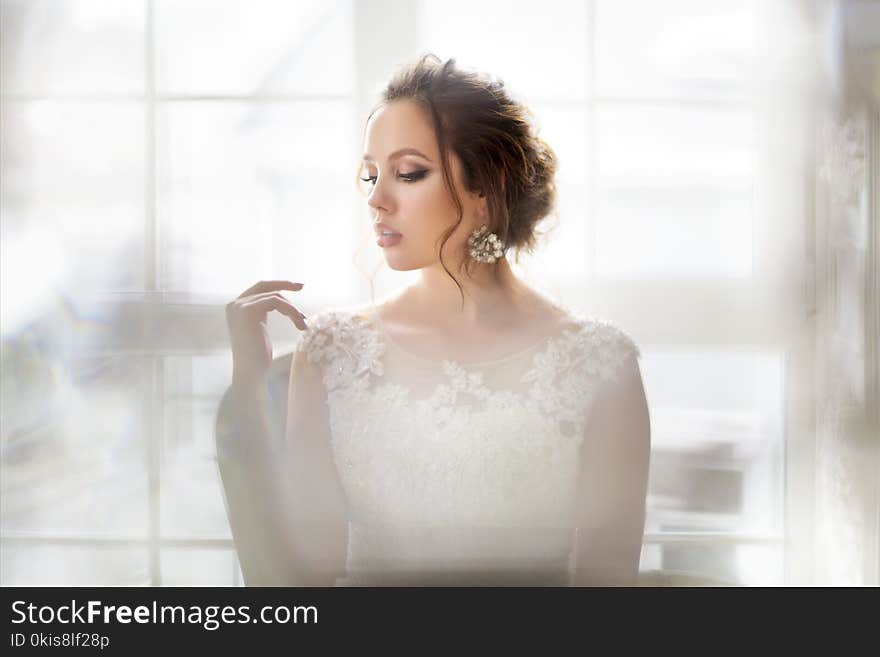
x: 384, y: 228
x: 388, y: 240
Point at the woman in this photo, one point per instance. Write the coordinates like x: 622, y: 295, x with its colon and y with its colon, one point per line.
x: 466, y: 430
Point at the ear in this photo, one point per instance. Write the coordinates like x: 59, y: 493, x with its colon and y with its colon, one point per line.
x: 483, y: 206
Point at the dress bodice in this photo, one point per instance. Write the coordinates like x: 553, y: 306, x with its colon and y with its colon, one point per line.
x: 457, y: 472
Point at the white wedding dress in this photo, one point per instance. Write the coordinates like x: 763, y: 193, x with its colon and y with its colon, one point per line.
x: 459, y: 473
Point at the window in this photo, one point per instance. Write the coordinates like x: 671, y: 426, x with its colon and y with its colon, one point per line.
x: 161, y: 156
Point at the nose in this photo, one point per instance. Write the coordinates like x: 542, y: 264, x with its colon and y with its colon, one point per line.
x: 379, y: 197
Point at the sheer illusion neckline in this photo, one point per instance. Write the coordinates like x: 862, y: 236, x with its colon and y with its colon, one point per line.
x: 372, y: 317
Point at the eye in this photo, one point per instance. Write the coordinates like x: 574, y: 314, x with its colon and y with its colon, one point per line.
x: 406, y: 177
x: 414, y: 176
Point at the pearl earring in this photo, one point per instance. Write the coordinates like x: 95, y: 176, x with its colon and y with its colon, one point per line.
x: 485, y: 247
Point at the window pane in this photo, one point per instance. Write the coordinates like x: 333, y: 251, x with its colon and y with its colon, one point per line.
x: 254, y: 190
x: 675, y: 192
x: 538, y: 49
x: 251, y: 47
x: 74, y: 456
x: 676, y: 233
x: 716, y: 439
x: 195, y: 567
x: 677, y: 48
x: 75, y: 46
x: 192, y: 495
x: 72, y: 201
x: 647, y: 146
x: 61, y: 565
x: 711, y: 565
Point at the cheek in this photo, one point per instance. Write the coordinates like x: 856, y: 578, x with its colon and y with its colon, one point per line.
x: 433, y: 205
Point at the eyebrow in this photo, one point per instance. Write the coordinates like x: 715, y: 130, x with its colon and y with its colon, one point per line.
x: 399, y: 152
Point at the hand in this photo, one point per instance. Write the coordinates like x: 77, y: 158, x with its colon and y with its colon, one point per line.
x: 246, y: 319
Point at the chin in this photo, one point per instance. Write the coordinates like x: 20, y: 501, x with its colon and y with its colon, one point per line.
x: 400, y: 260
x: 399, y: 264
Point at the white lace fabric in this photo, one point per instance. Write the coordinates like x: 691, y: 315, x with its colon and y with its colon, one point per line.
x: 462, y: 473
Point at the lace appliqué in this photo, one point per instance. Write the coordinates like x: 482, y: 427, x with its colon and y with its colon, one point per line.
x: 563, y: 375
x: 347, y: 352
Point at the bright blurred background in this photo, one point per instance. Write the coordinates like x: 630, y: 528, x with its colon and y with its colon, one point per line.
x: 718, y: 200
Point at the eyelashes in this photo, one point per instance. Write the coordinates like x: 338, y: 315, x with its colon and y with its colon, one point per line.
x: 405, y: 177
x: 414, y: 176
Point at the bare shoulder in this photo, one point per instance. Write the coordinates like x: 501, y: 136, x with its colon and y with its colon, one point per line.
x: 551, y: 314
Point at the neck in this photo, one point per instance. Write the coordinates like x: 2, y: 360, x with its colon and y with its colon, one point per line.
x: 491, y: 293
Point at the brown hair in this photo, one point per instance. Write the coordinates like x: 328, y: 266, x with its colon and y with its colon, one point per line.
x: 494, y: 137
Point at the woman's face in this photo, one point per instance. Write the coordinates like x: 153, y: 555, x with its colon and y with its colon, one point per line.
x: 407, y: 194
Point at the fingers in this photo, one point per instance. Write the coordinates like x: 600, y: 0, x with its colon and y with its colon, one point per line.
x: 270, y: 286
x: 263, y: 303
x: 263, y: 297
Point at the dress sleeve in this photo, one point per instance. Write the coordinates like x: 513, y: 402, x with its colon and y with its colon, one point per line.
x: 316, y: 340
x: 345, y: 351
x: 569, y: 375
x: 615, y: 457
x: 610, y: 350
x: 318, y: 504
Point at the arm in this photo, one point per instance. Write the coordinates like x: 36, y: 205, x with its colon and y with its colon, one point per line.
x: 318, y: 504
x: 250, y: 437
x: 284, y: 502
x: 249, y: 441
x: 614, y: 480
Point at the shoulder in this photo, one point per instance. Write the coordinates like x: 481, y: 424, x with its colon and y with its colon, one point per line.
x: 326, y: 324
x: 584, y: 361
x: 619, y: 407
x: 599, y: 336
x: 604, y: 348
x: 608, y: 335
x: 340, y: 336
